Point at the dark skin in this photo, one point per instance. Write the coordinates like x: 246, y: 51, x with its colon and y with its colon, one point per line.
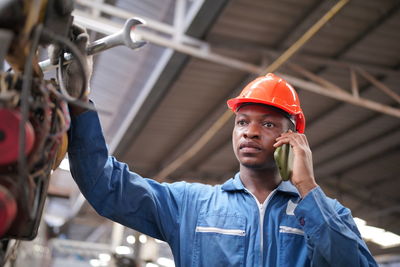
x: 258, y: 130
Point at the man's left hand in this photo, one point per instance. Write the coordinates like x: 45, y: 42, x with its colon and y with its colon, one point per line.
x: 303, y: 173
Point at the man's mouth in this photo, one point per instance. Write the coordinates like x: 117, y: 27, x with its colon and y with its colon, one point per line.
x: 249, y: 147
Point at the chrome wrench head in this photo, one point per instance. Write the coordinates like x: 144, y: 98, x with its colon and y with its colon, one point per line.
x: 130, y: 24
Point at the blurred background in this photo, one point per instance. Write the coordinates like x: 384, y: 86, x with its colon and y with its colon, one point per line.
x: 157, y: 103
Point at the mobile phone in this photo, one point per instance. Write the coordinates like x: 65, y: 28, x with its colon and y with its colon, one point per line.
x: 283, y: 156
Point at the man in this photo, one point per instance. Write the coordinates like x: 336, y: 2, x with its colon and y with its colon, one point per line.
x: 253, y: 219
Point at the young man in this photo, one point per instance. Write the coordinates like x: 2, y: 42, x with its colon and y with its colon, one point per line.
x: 253, y: 219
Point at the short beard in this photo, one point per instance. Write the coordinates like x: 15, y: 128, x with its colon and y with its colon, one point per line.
x: 269, y: 166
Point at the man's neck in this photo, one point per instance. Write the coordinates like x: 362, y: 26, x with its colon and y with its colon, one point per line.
x: 259, y: 182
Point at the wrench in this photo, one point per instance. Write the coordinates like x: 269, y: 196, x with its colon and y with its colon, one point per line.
x: 122, y: 37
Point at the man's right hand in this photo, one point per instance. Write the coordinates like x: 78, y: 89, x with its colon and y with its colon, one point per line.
x: 72, y: 73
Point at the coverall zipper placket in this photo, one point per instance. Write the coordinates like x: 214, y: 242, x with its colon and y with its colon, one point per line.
x: 261, y: 210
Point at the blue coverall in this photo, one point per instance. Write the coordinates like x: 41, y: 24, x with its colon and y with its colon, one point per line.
x: 221, y: 225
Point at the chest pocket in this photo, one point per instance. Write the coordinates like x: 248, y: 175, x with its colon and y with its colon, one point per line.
x: 292, y: 243
x: 219, y: 240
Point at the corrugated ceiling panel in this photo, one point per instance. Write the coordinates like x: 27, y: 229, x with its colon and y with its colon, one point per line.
x: 136, y: 77
x: 249, y: 20
x: 342, y: 163
x: 373, y: 174
x: 354, y: 137
x: 119, y: 63
x: 326, y: 41
x: 381, y: 46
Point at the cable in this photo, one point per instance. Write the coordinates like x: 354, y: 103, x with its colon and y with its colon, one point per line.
x: 26, y: 89
x: 80, y: 60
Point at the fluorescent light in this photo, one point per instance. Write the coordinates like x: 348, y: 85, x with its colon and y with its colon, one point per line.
x: 94, y: 262
x: 150, y: 264
x: 377, y: 235
x: 54, y: 220
x: 359, y: 222
x: 387, y: 240
x: 131, y: 239
x: 165, y: 262
x: 370, y: 232
x: 104, y: 257
x: 64, y: 165
x: 123, y: 250
x: 142, y: 239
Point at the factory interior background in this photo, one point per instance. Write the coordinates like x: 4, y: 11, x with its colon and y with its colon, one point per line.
x: 157, y: 104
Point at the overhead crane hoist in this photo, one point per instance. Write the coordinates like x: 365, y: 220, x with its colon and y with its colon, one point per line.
x: 34, y: 116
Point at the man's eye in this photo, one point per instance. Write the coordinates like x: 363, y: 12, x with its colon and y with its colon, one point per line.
x: 269, y: 124
x: 241, y: 122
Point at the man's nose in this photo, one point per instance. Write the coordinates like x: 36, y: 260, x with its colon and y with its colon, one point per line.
x: 252, y: 131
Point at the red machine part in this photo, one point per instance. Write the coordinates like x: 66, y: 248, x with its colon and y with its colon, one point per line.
x: 9, y: 136
x: 8, y: 209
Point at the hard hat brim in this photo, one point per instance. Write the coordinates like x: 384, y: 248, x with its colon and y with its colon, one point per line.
x: 235, y: 103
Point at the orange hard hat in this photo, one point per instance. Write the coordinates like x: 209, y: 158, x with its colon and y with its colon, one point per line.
x: 273, y: 91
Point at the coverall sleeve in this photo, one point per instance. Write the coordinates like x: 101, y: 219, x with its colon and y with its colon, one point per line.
x: 331, y: 233
x: 114, y: 191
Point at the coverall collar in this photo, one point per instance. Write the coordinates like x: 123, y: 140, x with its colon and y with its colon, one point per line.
x: 235, y: 184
